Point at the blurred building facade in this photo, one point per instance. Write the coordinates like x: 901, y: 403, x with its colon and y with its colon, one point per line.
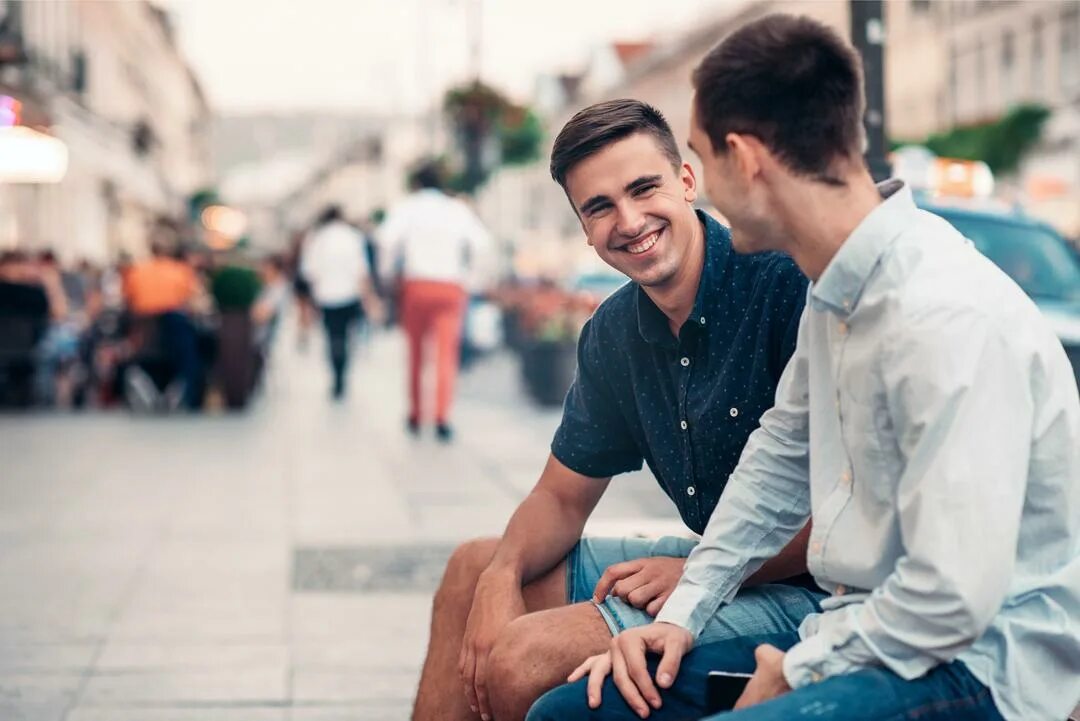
x: 967, y: 62
x: 290, y: 174
x: 107, y: 80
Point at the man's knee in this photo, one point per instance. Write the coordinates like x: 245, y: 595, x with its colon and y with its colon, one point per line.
x: 513, y: 665
x: 463, y: 569
x: 535, y: 652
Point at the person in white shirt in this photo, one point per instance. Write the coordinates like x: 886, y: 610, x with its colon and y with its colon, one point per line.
x: 333, y: 262
x: 436, y: 246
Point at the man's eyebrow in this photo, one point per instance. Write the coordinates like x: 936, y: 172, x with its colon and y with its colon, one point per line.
x: 592, y: 202
x: 596, y: 200
x: 643, y: 180
x: 690, y: 145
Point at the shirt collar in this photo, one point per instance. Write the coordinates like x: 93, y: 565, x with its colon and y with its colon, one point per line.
x: 840, y: 286
x: 652, y: 323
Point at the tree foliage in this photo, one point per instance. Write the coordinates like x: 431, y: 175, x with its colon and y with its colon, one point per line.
x: 480, y: 115
x: 1000, y: 144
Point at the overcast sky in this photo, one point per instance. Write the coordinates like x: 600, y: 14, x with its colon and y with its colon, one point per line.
x: 397, y: 55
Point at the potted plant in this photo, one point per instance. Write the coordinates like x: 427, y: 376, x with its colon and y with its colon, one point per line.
x: 235, y: 289
x: 554, y: 319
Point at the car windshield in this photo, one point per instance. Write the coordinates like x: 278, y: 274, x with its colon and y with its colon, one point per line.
x: 1039, y: 261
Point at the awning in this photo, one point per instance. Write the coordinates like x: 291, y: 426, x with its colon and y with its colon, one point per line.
x: 29, y: 156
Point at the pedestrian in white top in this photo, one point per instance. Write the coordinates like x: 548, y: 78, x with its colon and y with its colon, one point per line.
x: 437, y: 247
x: 333, y: 263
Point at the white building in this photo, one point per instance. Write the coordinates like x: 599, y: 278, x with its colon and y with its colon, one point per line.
x: 106, y: 79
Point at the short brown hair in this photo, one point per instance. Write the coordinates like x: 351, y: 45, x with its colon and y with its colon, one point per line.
x: 789, y: 81
x: 598, y: 126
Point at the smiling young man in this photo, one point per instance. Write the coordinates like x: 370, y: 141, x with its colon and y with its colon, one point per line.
x: 674, y: 370
x: 928, y: 425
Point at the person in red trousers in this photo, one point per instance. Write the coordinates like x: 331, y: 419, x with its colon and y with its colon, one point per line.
x: 434, y: 244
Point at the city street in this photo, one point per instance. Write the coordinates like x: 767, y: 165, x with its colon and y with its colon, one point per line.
x: 271, y: 566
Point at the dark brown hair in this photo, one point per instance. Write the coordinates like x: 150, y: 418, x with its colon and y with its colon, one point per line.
x: 791, y: 82
x: 598, y: 126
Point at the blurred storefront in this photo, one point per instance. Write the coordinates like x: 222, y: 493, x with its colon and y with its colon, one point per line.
x: 105, y: 82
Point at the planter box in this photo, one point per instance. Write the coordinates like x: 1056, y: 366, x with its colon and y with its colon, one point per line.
x: 547, y: 369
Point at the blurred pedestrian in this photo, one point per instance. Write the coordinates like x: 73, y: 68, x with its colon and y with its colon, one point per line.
x: 305, y: 304
x: 268, y: 306
x: 434, y: 244
x: 333, y: 262
x: 159, y: 292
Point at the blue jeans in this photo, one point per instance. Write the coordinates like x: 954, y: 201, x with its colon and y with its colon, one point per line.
x: 948, y: 693
x: 764, y: 609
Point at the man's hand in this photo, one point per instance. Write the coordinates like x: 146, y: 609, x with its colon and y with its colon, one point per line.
x: 768, y: 681
x: 496, y: 602
x: 644, y: 583
x: 626, y: 663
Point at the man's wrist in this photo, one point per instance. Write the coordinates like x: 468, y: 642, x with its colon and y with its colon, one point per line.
x: 502, y: 574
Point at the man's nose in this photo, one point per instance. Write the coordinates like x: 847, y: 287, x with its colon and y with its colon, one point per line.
x: 629, y: 221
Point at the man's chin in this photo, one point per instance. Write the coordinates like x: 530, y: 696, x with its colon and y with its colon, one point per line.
x: 652, y: 279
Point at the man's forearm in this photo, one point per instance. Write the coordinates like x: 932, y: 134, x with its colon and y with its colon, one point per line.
x: 539, y: 535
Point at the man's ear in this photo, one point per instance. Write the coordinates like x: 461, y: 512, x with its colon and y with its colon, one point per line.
x: 689, y: 181
x: 745, y: 150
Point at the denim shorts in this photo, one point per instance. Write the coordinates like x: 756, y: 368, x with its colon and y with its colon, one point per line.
x: 759, y: 610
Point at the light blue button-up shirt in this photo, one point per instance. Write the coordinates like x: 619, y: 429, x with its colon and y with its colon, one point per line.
x: 929, y: 425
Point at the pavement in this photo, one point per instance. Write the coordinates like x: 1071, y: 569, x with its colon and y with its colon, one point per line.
x: 275, y: 565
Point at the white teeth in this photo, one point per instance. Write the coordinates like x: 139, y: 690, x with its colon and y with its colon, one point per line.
x: 638, y: 248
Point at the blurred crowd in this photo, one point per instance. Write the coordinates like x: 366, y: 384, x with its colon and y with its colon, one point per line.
x: 143, y: 333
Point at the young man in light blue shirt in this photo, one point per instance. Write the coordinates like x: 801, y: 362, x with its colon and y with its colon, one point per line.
x: 928, y: 426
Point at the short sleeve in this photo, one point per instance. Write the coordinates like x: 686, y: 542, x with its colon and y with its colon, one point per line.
x: 594, y: 438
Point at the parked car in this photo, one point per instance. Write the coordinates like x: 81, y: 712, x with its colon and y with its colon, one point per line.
x: 1033, y: 254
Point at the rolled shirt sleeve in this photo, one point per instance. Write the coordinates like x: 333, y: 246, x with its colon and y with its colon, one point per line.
x: 765, y: 504
x: 962, y: 410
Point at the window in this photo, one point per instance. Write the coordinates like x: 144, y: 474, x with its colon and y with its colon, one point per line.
x: 1008, y: 69
x: 1038, y: 65
x: 1069, y: 69
x: 980, y: 80
x: 954, y: 85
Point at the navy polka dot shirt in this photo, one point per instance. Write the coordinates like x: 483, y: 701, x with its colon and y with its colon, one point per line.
x: 683, y: 405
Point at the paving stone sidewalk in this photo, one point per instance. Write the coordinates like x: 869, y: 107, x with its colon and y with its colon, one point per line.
x: 272, y: 566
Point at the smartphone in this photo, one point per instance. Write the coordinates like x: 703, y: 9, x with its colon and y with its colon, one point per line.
x: 723, y: 689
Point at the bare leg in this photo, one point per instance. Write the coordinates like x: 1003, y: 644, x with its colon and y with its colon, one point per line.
x: 440, y: 696
x: 537, y: 652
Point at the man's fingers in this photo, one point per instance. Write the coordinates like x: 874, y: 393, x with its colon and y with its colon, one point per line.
x: 580, y: 671
x: 600, y: 670
x: 480, y: 683
x: 656, y: 604
x: 467, y: 671
x: 612, y: 574
x: 642, y: 595
x: 625, y: 685
x: 638, y: 670
x: 669, y: 665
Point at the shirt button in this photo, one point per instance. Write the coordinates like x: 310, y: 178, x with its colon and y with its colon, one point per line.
x: 684, y: 425
x: 815, y: 547
x: 685, y: 362
x: 842, y: 328
x: 734, y: 412
x: 815, y: 677
x: 840, y: 590
x: 691, y: 491
x: 702, y: 319
x: 846, y: 478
